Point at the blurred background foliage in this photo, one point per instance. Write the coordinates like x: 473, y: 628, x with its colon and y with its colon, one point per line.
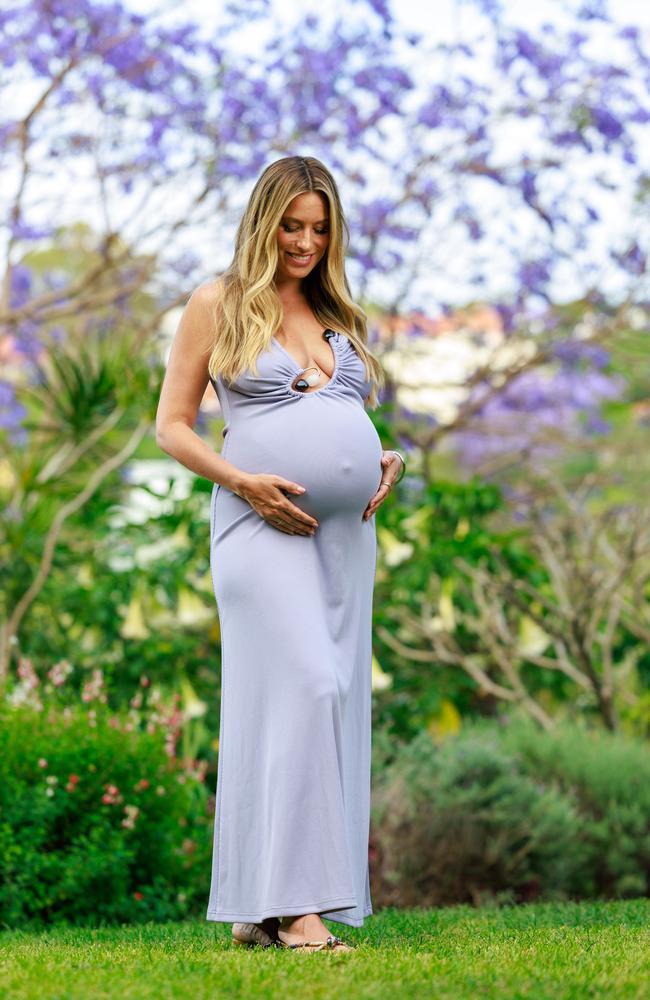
x: 511, y: 656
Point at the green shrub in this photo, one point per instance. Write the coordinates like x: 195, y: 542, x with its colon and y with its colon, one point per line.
x: 608, y: 776
x: 461, y: 822
x: 97, y: 822
x: 510, y: 813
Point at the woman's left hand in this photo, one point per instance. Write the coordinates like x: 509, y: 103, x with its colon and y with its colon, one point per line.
x: 390, y: 468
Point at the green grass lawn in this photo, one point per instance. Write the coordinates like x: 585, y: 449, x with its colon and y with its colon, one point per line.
x: 554, y: 951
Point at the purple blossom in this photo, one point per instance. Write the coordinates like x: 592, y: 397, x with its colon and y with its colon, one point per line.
x: 158, y: 125
x: 534, y: 274
x: 374, y: 214
x: 27, y: 339
x: 8, y: 131
x: 595, y: 424
x: 593, y: 10
x: 186, y: 263
x: 431, y: 115
x: 568, y: 137
x: 507, y: 314
x: 545, y: 61
x: 634, y: 260
x: 526, y: 416
x: 20, y: 286
x: 528, y: 189
x: 606, y: 123
x: 12, y: 414
x: 24, y: 231
x: 381, y: 8
x: 574, y: 353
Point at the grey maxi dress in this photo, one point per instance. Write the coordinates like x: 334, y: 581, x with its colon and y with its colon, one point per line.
x: 293, y: 780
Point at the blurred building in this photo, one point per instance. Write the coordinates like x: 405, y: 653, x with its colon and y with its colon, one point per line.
x: 433, y: 361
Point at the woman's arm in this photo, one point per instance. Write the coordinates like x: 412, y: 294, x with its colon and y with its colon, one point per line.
x: 182, y: 391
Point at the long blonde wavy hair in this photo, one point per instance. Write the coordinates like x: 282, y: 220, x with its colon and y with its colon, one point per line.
x: 248, y: 310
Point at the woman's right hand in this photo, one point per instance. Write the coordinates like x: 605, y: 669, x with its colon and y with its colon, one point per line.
x: 265, y: 493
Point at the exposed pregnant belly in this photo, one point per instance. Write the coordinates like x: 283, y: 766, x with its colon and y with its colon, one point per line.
x: 328, y: 445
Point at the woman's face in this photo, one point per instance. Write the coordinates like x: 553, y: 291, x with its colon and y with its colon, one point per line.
x: 303, y: 235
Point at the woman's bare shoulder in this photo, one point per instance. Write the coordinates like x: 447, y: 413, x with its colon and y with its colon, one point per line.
x: 208, y: 293
x: 197, y: 327
x: 199, y: 312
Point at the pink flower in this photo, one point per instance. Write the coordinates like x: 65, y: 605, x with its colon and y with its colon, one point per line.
x: 25, y: 691
x: 93, y: 689
x: 42, y: 762
x: 60, y: 672
x: 27, y: 674
x: 111, y: 795
x: 197, y: 769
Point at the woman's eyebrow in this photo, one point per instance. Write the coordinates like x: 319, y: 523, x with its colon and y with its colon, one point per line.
x: 292, y: 218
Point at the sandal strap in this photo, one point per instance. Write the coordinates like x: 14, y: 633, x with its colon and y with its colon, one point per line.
x: 331, y: 942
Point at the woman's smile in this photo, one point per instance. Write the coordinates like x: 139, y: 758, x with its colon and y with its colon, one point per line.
x: 302, y: 260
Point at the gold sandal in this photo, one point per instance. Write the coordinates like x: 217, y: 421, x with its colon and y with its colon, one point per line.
x: 333, y: 943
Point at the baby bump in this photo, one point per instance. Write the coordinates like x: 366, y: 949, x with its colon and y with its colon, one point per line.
x: 333, y: 451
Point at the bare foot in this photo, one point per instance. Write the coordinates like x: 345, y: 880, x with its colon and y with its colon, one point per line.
x: 306, y: 927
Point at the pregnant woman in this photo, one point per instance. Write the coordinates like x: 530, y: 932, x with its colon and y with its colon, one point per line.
x: 293, y: 555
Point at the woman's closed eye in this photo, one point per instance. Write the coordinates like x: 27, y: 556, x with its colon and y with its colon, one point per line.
x: 294, y: 229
